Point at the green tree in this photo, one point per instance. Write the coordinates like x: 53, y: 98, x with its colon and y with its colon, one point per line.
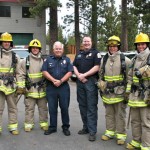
x: 40, y: 6
x: 141, y: 8
x: 124, y: 30
x: 108, y: 23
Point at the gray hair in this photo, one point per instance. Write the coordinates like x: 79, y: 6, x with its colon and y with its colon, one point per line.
x: 57, y: 42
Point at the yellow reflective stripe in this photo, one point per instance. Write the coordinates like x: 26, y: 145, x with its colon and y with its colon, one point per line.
x: 135, y: 79
x: 36, y: 75
x: 110, y: 133
x: 12, y: 127
x: 146, y: 78
x: 7, y: 90
x: 21, y: 83
x: 27, y: 125
x: 111, y: 100
x: 133, y: 103
x: 145, y: 148
x: 5, y: 70
x: 135, y: 144
x: 128, y: 88
x: 0, y: 129
x: 113, y: 78
x: 43, y: 124
x: 36, y: 95
x: 121, y: 136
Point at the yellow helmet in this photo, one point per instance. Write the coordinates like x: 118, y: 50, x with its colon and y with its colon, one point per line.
x: 113, y: 40
x: 141, y: 38
x: 6, y: 37
x: 35, y: 43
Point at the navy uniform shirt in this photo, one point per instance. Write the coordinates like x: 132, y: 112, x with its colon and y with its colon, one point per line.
x: 57, y: 67
x: 85, y: 60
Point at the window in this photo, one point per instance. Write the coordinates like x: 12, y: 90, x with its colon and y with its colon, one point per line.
x: 5, y: 11
x: 25, y: 12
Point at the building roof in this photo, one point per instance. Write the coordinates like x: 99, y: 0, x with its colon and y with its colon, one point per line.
x: 16, y: 1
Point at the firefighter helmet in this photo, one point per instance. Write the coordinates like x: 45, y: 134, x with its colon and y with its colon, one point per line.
x: 6, y: 37
x: 141, y: 38
x: 35, y: 43
x: 114, y: 40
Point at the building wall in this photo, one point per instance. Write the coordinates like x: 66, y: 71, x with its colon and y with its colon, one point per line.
x: 17, y: 24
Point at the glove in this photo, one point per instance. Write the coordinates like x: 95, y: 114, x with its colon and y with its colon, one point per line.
x: 126, y: 97
x: 101, y: 85
x: 147, y: 102
x: 20, y: 90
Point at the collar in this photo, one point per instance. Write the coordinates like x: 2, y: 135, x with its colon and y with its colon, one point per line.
x: 113, y: 56
x: 6, y: 51
x: 53, y: 57
x: 143, y: 54
x: 36, y: 56
x: 86, y: 51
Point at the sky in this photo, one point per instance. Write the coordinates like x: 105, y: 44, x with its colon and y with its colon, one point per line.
x: 63, y: 11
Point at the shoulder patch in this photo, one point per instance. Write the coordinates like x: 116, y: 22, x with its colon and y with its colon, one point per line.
x: 98, y: 55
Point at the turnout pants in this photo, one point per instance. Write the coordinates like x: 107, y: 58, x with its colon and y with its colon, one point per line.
x: 12, y: 110
x: 140, y: 122
x: 115, y: 120
x: 30, y: 108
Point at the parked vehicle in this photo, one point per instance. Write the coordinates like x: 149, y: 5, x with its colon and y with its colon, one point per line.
x: 21, y: 52
x: 72, y: 56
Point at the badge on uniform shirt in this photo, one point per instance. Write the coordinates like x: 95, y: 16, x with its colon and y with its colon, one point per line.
x: 50, y: 64
x: 64, y: 61
x: 98, y: 55
x: 90, y: 54
x: 79, y: 56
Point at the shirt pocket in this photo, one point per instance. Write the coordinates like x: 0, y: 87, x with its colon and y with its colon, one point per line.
x: 78, y: 61
x: 89, y: 61
x: 51, y: 68
x: 64, y: 68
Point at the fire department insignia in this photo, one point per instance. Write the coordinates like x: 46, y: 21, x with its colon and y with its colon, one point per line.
x: 90, y: 54
x: 98, y: 55
x: 79, y: 56
x: 64, y: 61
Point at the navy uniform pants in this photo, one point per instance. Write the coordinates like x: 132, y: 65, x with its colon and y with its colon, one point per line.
x: 59, y: 95
x: 87, y: 96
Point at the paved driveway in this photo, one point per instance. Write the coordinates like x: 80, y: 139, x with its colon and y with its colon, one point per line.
x: 36, y: 140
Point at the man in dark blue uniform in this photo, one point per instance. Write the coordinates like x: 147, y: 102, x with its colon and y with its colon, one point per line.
x: 57, y: 69
x: 86, y: 67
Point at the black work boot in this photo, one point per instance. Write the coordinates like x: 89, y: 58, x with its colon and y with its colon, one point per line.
x: 50, y: 131
x: 83, y: 131
x: 66, y: 131
x: 92, y: 137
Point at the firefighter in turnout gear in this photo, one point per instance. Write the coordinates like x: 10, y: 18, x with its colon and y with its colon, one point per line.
x: 139, y: 97
x: 112, y: 84
x: 31, y: 78
x: 9, y: 64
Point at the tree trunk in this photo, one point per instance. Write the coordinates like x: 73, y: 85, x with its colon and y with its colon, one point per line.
x: 94, y: 23
x: 124, y: 37
x: 53, y: 26
x: 77, y: 30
